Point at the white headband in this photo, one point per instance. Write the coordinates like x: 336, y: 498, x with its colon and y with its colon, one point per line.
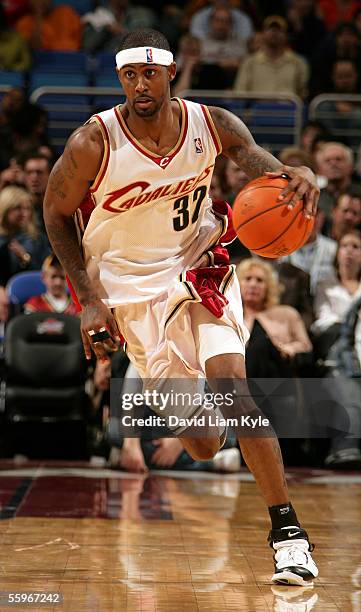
x: 143, y: 55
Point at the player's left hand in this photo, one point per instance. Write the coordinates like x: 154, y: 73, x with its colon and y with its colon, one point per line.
x: 167, y: 452
x: 302, y: 185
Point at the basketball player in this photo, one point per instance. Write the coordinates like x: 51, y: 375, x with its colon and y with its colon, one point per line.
x: 151, y: 264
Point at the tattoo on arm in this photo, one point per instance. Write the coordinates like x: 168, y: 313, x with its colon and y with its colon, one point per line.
x: 57, y: 183
x: 63, y: 237
x: 239, y: 145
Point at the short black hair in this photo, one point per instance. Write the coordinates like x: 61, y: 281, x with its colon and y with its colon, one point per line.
x: 144, y: 37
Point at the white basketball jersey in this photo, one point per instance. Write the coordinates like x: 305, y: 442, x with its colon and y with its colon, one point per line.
x: 152, y: 217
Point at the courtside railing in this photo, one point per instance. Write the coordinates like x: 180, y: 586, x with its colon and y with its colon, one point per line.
x: 341, y: 114
x: 274, y: 120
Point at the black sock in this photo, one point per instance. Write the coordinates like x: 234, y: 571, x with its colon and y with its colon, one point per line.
x: 283, y: 516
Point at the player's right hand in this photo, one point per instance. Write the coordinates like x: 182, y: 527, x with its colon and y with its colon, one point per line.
x: 132, y: 459
x: 94, y: 317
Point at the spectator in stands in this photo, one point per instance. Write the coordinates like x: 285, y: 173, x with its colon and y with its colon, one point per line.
x: 343, y: 43
x: 295, y: 289
x: 200, y: 24
x: 51, y: 28
x: 294, y: 286
x: 10, y: 105
x: 215, y: 190
x: 36, y: 175
x: 261, y: 292
x: 277, y: 332
x: 306, y: 28
x: 316, y: 257
x: 346, y: 80
x: 311, y: 130
x: 221, y: 47
x: 343, y: 116
x: 235, y: 179
x: 293, y: 156
x: 346, y: 215
x: 335, y: 297
x: 334, y: 11
x: 344, y: 359
x: 14, y: 51
x: 22, y: 246
x: 105, y: 26
x: 14, y: 9
x: 334, y: 161
x: 335, y: 294
x: 191, y: 72
x: 275, y: 68
x: 12, y: 175
x: 56, y: 298
x: 27, y: 130
x: 4, y: 305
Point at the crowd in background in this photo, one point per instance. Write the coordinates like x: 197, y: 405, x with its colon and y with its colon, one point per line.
x: 295, y: 307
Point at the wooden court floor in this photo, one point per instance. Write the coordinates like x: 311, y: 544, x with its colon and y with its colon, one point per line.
x: 195, y: 542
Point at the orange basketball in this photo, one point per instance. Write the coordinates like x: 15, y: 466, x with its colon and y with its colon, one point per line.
x: 264, y: 224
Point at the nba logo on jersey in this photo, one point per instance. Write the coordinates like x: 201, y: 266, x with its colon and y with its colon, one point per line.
x: 149, y: 54
x: 198, y: 145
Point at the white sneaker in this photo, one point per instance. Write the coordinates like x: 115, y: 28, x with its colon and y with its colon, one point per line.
x: 227, y: 460
x: 293, y: 562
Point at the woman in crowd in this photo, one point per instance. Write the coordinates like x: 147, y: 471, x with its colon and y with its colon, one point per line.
x: 335, y: 298
x: 22, y: 246
x: 335, y: 295
x: 282, y: 325
x: 278, y: 337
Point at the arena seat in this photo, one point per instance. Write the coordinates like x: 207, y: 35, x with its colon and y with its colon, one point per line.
x: 13, y: 78
x: 45, y: 372
x: 80, y: 6
x: 23, y: 286
x: 104, y: 71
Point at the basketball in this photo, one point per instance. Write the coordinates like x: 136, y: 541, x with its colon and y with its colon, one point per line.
x: 264, y: 224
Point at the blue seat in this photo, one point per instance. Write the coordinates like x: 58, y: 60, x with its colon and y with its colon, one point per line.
x: 60, y: 61
x: 105, y: 62
x: 107, y: 79
x: 43, y: 79
x: 23, y: 286
x: 80, y: 6
x: 13, y: 78
x: 277, y: 114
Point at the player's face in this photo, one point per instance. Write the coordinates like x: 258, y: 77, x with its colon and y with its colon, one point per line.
x: 254, y: 287
x: 146, y: 86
